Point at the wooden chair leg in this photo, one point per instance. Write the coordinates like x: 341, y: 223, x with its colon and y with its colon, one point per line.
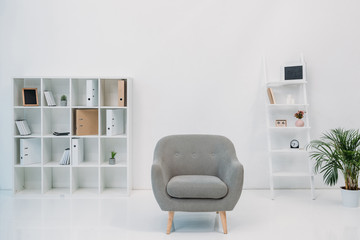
x: 223, y: 221
x: 170, y: 221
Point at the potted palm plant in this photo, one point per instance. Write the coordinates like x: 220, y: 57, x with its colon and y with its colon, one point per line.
x: 339, y: 151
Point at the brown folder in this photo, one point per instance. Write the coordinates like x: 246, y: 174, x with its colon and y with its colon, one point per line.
x: 86, y: 122
x: 122, y: 93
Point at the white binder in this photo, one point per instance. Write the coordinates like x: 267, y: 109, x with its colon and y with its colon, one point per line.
x: 114, y: 122
x: 30, y: 151
x: 77, y: 151
x: 91, y: 93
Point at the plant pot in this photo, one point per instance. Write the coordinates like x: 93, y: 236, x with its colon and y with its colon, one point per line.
x: 350, y: 198
x: 111, y: 161
x: 299, y: 123
x: 63, y: 103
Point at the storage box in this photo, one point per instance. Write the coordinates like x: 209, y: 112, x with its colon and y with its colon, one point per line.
x: 86, y: 122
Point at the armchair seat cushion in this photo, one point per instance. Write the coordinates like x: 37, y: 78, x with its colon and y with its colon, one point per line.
x: 196, y: 186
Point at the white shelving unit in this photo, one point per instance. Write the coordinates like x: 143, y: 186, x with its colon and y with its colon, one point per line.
x: 94, y: 176
x: 286, y: 162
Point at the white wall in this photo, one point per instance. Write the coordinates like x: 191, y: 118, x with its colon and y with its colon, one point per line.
x: 197, y: 65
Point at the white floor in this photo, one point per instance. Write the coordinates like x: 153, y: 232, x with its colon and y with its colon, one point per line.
x: 292, y: 215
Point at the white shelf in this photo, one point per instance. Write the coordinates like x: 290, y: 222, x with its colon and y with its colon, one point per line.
x: 115, y: 136
x: 27, y: 136
x: 27, y: 165
x: 285, y: 83
x: 287, y: 105
x: 112, y: 107
x: 118, y: 164
x: 284, y: 161
x: 289, y: 128
x: 295, y: 150
x: 92, y: 177
x: 115, y: 191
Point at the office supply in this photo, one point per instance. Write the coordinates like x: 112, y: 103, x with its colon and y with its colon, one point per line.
x: 122, y: 93
x: 77, y: 151
x: 30, y: 151
x: 91, y: 93
x: 65, y: 159
x: 61, y: 133
x: 86, y: 122
x: 114, y: 122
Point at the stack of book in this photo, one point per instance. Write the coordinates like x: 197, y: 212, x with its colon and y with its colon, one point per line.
x: 49, y: 98
x: 23, y: 127
x: 65, y: 159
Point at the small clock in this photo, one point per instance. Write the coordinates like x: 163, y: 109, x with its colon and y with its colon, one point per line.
x: 294, y: 143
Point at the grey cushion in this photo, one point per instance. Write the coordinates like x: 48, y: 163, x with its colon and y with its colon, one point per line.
x: 196, y: 186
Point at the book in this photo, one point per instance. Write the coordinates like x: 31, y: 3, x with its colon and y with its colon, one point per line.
x: 271, y: 96
x: 65, y: 159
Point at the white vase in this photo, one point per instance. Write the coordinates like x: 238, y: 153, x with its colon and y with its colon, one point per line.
x: 350, y: 198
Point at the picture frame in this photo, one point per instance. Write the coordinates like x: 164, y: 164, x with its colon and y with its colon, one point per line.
x: 294, y: 71
x: 30, y: 97
x: 280, y: 123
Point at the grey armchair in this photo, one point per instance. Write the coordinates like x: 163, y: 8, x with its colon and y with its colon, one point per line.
x: 196, y: 173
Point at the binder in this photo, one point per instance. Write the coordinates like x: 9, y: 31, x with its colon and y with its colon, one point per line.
x: 30, y: 151
x: 91, y: 93
x: 114, y: 122
x: 122, y: 93
x: 77, y: 151
x: 86, y: 122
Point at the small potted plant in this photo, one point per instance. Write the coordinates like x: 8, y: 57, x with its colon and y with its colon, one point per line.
x: 339, y: 151
x: 299, y: 115
x: 63, y: 100
x: 112, y: 159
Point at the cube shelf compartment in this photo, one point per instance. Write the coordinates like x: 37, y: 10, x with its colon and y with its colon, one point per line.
x: 93, y: 176
x: 27, y: 180
x: 85, y: 180
x: 113, y: 180
x: 56, y: 180
x: 58, y: 87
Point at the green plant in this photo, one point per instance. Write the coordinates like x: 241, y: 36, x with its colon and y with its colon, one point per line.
x: 63, y: 98
x: 113, y: 154
x: 337, y: 150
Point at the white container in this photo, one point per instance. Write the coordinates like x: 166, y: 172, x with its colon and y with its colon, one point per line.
x: 350, y: 198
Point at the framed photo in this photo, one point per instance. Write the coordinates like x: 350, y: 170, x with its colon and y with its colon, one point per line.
x: 294, y: 72
x: 280, y: 123
x: 30, y: 97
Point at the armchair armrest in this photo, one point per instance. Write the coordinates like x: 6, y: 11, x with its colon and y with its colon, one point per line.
x: 232, y: 174
x: 159, y: 180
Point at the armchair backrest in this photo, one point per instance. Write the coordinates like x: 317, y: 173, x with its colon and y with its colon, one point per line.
x: 193, y: 154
